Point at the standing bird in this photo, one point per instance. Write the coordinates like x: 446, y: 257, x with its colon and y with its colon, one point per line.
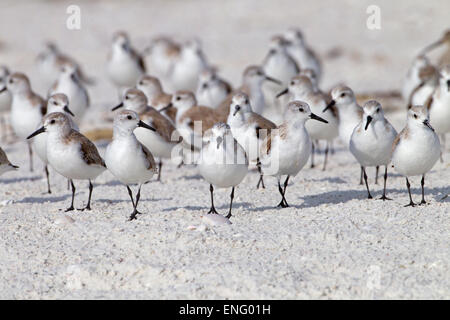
x: 412, y: 79
x: 212, y: 90
x: 416, y: 149
x: 127, y: 159
x: 163, y: 52
x: 305, y: 57
x: 443, y: 41
x: 301, y: 89
x: 159, y: 141
x: 5, y: 101
x: 27, y: 108
x: 56, y: 103
x: 70, y: 153
x: 223, y: 162
x: 249, y: 129
x: 125, y: 66
x: 70, y: 85
x: 428, y: 77
x: 5, y: 165
x: 371, y: 141
x: 439, y: 106
x: 286, y: 151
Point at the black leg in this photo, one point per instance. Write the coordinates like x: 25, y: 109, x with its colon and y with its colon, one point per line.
x: 284, y: 191
x: 159, y: 170
x: 313, y: 149
x: 30, y: 153
x: 411, y: 203
x: 422, y: 183
x: 283, y: 203
x: 73, y: 196
x: 231, y: 203
x: 383, y: 197
x: 326, y: 156
x: 362, y: 175
x: 135, y: 204
x: 48, y: 179
x: 213, y: 209
x: 261, y: 179
x: 130, y: 193
x: 68, y: 184
x: 88, y: 206
x: 376, y: 174
x: 369, y: 196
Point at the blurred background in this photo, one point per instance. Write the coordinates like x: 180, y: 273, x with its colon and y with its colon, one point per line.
x: 233, y: 33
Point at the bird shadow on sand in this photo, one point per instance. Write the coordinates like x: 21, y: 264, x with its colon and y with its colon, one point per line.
x: 43, y: 199
x: 236, y: 205
x: 113, y: 201
x: 336, y: 180
x: 192, y: 177
x: 22, y: 179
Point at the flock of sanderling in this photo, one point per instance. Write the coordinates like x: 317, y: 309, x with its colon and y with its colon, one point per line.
x: 227, y: 128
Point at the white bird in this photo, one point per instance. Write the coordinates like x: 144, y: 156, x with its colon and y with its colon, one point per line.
x: 305, y: 57
x: 163, y: 52
x: 127, y: 159
x: 56, y: 103
x: 223, y: 162
x: 125, y: 66
x: 286, y: 150
x: 5, y: 101
x: 249, y: 129
x: 69, y: 84
x: 428, y: 77
x: 70, y: 153
x: 371, y: 141
x: 212, y: 90
x: 412, y: 79
x: 416, y: 148
x: 5, y: 164
x: 27, y: 108
x: 300, y: 88
x: 159, y: 141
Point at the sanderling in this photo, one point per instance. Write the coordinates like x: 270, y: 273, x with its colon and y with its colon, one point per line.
x: 248, y: 128
x: 125, y: 65
x: 416, y: 148
x: 187, y: 68
x: 27, y: 108
x: 5, y: 165
x: 443, y: 41
x: 286, y: 150
x: 412, y: 79
x: 371, y: 141
x: 158, y: 141
x: 439, y: 105
x: 428, y: 82
x: 305, y: 57
x: 5, y: 101
x: 157, y: 98
x: 127, y: 159
x: 69, y: 84
x: 70, y: 153
x: 300, y: 88
x: 56, y: 103
x: 163, y: 53
x: 223, y: 162
x: 212, y: 90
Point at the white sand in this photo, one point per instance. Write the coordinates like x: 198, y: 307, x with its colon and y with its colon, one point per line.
x: 332, y: 242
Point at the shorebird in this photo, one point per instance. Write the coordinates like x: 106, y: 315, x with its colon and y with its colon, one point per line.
x: 249, y: 129
x: 443, y: 41
x: 5, y: 101
x: 439, y: 105
x: 300, y: 88
x: 127, y: 159
x: 305, y: 57
x: 286, y: 150
x: 371, y: 141
x: 412, y: 79
x: 416, y: 148
x: 27, y: 108
x: 5, y: 164
x: 159, y: 141
x: 428, y: 77
x: 163, y: 53
x: 125, y: 66
x: 56, y: 103
x: 212, y: 90
x: 223, y: 162
x: 157, y: 98
x: 188, y: 66
x: 69, y: 84
x: 70, y: 153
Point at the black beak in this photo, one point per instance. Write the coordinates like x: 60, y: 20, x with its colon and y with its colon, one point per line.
x: 170, y: 105
x: 274, y: 80
x: 427, y: 123
x: 120, y: 105
x: 4, y: 89
x: 332, y: 103
x: 38, y: 131
x: 146, y: 126
x: 219, y: 141
x: 282, y: 93
x: 369, y: 120
x: 204, y: 86
x: 236, y: 110
x: 313, y: 116
x: 66, y: 109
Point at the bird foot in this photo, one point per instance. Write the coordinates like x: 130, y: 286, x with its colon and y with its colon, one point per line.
x: 228, y: 216
x: 71, y: 208
x: 88, y: 208
x: 411, y: 204
x: 384, y: 198
x: 213, y: 210
x: 369, y: 196
x: 423, y: 202
x: 283, y: 204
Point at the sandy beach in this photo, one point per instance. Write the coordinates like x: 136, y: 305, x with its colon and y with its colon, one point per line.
x: 332, y: 243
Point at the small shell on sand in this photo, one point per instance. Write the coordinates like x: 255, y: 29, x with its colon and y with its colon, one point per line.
x: 215, y: 219
x: 64, y: 220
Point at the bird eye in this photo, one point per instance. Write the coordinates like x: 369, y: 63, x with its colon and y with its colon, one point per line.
x: 415, y: 116
x: 343, y: 95
x: 55, y: 103
x: 378, y: 110
x: 127, y: 97
x: 246, y: 101
x: 178, y: 98
x: 11, y: 80
x: 301, y: 109
x: 259, y: 73
x: 292, y: 83
x: 129, y: 117
x: 52, y: 121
